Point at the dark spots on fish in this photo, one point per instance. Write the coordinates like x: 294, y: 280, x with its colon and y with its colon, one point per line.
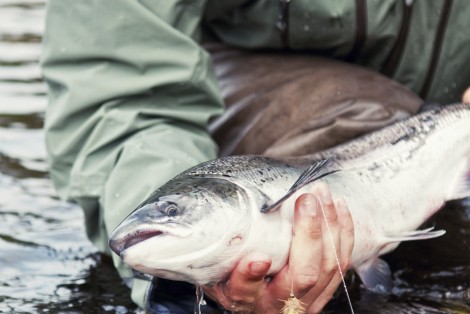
x: 427, y: 118
x: 263, y: 180
x: 226, y: 175
x: 411, y: 133
x: 287, y: 166
x: 374, y: 166
x: 260, y: 172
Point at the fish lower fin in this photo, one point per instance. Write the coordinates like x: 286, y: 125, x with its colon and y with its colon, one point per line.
x: 415, y: 235
x: 313, y: 173
x: 140, y: 275
x: 461, y: 187
x: 376, y: 275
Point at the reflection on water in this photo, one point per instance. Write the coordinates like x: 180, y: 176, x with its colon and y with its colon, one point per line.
x: 47, y: 264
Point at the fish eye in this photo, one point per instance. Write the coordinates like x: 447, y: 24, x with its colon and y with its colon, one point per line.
x: 171, y: 210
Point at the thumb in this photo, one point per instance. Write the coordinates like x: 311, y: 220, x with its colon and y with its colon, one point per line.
x: 466, y: 96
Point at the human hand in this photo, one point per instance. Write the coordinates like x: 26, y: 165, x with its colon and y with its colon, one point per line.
x: 311, y: 270
x: 466, y: 96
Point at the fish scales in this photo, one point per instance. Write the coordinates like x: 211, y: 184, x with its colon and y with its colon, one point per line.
x: 393, y: 180
x: 415, y: 128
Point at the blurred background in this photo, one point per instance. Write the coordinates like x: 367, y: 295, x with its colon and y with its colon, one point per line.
x: 48, y: 266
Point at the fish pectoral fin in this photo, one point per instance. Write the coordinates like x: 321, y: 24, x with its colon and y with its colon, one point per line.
x: 313, y: 173
x: 415, y: 235
x: 376, y: 275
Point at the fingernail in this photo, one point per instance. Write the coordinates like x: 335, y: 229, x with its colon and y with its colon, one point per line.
x: 259, y: 268
x: 259, y: 264
x: 308, y: 205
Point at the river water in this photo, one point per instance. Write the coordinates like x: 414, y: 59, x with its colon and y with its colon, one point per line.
x: 46, y: 263
x: 48, y: 266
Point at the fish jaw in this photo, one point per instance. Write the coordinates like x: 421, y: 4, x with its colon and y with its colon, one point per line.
x: 204, y: 257
x: 162, y: 257
x: 201, y: 253
x: 121, y: 239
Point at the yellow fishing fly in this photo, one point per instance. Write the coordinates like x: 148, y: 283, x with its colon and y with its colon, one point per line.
x: 293, y: 306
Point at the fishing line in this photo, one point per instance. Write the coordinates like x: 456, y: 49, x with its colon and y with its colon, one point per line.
x: 292, y: 304
x: 336, y: 255
x: 199, y: 300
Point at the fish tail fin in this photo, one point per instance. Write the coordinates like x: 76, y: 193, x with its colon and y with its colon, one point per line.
x: 461, y: 187
x: 375, y: 274
x: 415, y: 235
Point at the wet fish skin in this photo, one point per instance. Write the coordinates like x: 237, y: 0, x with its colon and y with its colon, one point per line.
x: 393, y: 180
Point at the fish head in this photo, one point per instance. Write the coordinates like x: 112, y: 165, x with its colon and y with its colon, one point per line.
x: 191, y: 229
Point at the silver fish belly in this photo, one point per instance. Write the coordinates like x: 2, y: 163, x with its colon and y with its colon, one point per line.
x: 197, y: 226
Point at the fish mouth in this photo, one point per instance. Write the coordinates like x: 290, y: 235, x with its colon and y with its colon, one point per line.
x: 120, y: 241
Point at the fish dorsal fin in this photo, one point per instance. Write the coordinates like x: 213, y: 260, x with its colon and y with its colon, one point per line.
x: 415, y: 235
x: 313, y: 173
x: 376, y: 275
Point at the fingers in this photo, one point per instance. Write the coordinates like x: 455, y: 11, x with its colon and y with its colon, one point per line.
x: 346, y: 234
x: 312, y: 259
x: 347, y: 243
x: 244, y: 284
x: 248, y: 277
x: 305, y: 256
x: 330, y: 229
x: 466, y: 96
x: 326, y: 295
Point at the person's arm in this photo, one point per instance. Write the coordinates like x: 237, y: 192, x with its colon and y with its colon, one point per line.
x: 131, y: 93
